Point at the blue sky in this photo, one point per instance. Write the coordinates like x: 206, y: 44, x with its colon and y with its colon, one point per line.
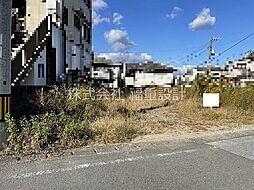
x: 175, y: 32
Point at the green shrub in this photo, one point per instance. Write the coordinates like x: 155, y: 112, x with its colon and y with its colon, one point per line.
x: 76, y: 132
x: 111, y: 129
x: 243, y: 98
x: 125, y: 132
x: 240, y: 98
x: 43, y: 132
x: 65, y: 119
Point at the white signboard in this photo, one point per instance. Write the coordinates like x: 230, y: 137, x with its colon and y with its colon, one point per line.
x: 211, y: 100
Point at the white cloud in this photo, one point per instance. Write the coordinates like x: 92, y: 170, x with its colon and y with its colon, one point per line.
x: 175, y: 12
x: 127, y: 57
x: 203, y: 21
x: 118, y: 40
x: 99, y: 4
x: 97, y: 18
x: 117, y: 17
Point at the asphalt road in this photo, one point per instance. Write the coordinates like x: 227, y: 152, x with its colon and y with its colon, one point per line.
x: 192, y: 164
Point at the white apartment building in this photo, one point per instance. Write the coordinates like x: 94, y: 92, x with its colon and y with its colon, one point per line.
x: 148, y: 75
x: 187, y: 78
x: 241, y: 71
x: 106, y: 73
x: 142, y: 79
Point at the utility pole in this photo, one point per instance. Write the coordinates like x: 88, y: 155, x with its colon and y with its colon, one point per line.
x: 211, y: 51
x: 5, y: 65
x: 209, y: 64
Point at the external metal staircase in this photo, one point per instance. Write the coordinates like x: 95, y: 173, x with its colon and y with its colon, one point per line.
x: 25, y: 55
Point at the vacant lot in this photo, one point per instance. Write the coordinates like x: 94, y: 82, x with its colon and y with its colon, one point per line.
x: 63, y: 122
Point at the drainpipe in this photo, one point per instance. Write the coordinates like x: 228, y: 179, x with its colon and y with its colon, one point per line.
x: 5, y: 65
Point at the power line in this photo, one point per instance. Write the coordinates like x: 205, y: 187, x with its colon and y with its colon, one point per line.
x: 245, y: 38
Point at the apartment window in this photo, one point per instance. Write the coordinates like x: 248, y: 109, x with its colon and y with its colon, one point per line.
x: 88, y: 3
x: 1, y: 45
x: 65, y: 16
x: 77, y: 22
x: 89, y: 35
x: 84, y: 32
x: 40, y: 70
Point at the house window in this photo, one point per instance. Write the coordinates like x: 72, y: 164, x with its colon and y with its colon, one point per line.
x: 40, y: 70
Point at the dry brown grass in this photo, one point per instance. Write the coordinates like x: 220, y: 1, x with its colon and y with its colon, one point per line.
x: 120, y: 121
x: 62, y: 123
x: 182, y: 117
x: 188, y: 116
x: 115, y: 129
x: 192, y: 110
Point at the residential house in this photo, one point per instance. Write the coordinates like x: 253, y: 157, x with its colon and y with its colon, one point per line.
x: 106, y: 73
x: 148, y: 74
x: 241, y: 72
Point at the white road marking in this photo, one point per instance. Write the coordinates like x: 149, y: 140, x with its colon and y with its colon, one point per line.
x: 89, y: 165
